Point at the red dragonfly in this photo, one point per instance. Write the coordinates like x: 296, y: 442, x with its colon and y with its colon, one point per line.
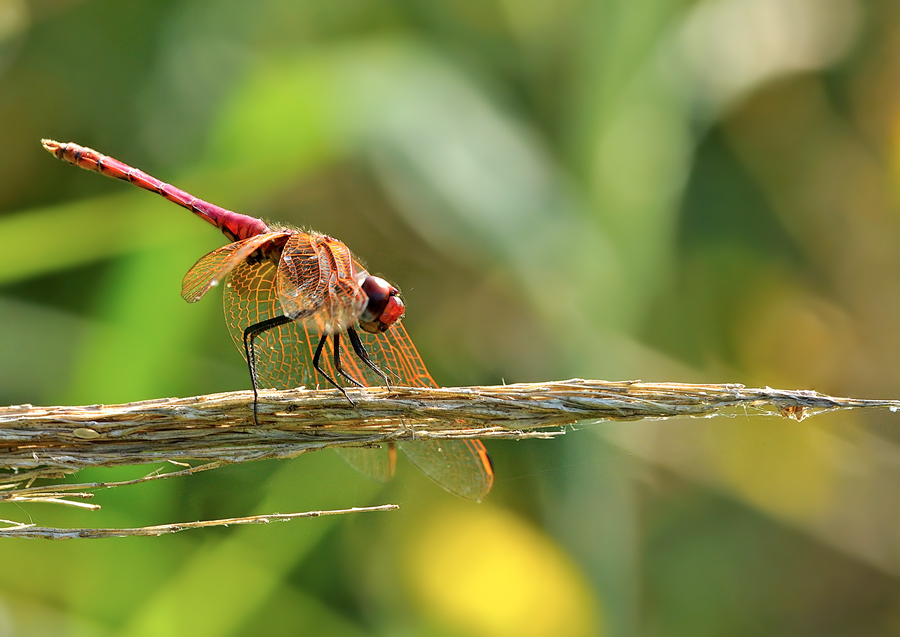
x: 290, y: 296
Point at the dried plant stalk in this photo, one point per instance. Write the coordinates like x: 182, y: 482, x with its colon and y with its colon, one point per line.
x: 218, y: 429
x: 52, y: 533
x: 51, y: 441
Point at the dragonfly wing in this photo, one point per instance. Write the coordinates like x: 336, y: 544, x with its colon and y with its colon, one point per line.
x: 317, y: 274
x: 215, y: 266
x: 302, y: 275
x: 284, y: 353
x: 462, y: 467
x: 377, y: 464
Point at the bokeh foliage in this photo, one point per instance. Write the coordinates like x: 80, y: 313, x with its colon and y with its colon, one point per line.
x: 678, y: 191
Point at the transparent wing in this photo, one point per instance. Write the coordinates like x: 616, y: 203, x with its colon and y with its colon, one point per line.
x: 215, y: 266
x: 283, y: 354
x: 462, y: 467
x: 316, y: 273
x: 301, y: 279
x: 377, y: 464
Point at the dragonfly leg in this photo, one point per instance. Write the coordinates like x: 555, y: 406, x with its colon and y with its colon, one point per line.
x: 250, y: 335
x: 337, y: 361
x: 318, y: 356
x: 363, y: 355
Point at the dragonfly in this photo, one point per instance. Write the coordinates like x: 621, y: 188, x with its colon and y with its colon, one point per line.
x: 292, y: 300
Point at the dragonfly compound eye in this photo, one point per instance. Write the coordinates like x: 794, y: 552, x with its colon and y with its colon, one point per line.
x: 385, y: 306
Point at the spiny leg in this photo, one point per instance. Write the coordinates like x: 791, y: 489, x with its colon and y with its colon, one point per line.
x: 250, y: 350
x: 317, y: 356
x: 337, y: 361
x: 363, y: 355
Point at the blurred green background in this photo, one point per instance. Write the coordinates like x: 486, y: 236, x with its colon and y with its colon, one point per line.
x: 676, y: 191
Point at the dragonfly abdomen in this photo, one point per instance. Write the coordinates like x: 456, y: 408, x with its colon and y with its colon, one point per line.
x: 233, y: 225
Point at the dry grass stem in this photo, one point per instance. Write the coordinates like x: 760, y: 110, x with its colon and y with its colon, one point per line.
x: 218, y: 429
x: 50, y: 533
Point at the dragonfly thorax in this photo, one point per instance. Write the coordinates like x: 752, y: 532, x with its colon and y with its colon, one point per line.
x: 384, y: 307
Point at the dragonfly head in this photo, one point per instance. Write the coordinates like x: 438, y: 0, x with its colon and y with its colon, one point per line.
x: 385, y: 307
